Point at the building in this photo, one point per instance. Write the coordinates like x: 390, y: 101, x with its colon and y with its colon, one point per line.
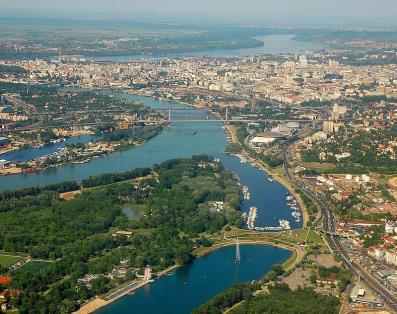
x: 389, y: 227
x: 4, y: 163
x: 391, y: 257
x: 328, y: 127
x: 358, y: 296
x: 266, y: 138
x: 5, y: 280
x: 147, y: 273
x: 338, y: 110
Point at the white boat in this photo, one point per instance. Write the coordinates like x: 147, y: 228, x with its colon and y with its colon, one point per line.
x: 251, y: 218
x: 284, y: 224
x: 296, y: 214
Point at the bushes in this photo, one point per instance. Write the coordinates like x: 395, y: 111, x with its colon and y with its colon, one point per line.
x: 115, y: 177
x: 226, y: 299
x: 281, y: 299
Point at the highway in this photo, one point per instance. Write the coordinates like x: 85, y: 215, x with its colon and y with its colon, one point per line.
x: 328, y: 225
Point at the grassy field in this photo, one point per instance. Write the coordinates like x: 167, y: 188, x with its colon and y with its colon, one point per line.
x: 8, y: 260
x: 35, y: 266
x: 320, y: 167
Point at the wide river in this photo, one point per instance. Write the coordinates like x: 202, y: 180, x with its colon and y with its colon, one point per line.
x: 272, y: 44
x: 193, y: 284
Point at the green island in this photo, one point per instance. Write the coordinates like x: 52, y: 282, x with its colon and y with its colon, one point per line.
x: 45, y: 113
x: 90, y: 234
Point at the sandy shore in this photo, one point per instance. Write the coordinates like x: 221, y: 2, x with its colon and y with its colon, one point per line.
x: 92, y: 306
x: 100, y: 302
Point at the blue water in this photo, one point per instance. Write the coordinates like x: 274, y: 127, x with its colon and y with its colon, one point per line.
x: 174, y: 142
x: 194, y: 284
x: 206, y: 276
x: 24, y: 155
x: 272, y: 44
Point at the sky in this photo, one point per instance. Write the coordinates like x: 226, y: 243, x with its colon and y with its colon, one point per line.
x: 231, y: 9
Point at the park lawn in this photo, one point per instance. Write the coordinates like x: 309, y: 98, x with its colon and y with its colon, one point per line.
x: 35, y: 266
x: 8, y: 260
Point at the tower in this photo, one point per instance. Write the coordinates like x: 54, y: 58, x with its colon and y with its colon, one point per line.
x: 147, y: 273
x: 238, y: 256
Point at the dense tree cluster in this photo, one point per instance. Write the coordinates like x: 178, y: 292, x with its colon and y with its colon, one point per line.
x: 173, y: 219
x: 368, y: 149
x: 310, y: 206
x: 227, y: 298
x: 282, y: 300
x: 141, y: 133
x: 279, y: 300
x: 13, y: 70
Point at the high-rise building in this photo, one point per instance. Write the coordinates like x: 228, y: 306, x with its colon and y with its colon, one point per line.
x: 328, y: 127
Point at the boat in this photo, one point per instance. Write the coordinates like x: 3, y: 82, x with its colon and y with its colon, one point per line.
x: 246, y: 194
x: 244, y: 215
x: 194, y: 132
x: 296, y: 214
x: 270, y: 179
x: 251, y: 218
x: 284, y: 224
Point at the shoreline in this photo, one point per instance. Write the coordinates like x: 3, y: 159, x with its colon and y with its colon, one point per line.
x: 69, y: 163
x: 220, y: 245
x: 100, y: 302
x: 283, y: 181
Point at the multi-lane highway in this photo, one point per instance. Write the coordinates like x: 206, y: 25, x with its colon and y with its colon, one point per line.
x: 328, y: 225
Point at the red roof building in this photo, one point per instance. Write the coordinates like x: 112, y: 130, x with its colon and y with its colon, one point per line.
x: 4, y: 280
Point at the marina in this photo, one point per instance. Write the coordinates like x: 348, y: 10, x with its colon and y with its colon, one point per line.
x: 266, y: 202
x: 253, y: 213
x: 246, y: 193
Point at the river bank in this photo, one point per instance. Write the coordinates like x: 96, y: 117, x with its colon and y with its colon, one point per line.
x: 296, y: 251
x: 192, y: 284
x: 67, y: 152
x: 219, y: 274
x: 128, y: 289
x: 278, y: 176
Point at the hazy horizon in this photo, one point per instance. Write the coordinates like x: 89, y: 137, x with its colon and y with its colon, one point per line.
x: 318, y: 11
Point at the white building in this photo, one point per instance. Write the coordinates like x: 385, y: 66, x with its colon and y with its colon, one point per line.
x: 389, y: 227
x: 391, y: 257
x: 266, y: 138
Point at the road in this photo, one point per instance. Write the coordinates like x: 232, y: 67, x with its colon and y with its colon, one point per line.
x: 328, y: 225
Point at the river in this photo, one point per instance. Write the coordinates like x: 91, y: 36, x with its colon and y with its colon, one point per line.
x: 174, y: 142
x: 208, y: 275
x: 272, y: 44
x: 27, y: 154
